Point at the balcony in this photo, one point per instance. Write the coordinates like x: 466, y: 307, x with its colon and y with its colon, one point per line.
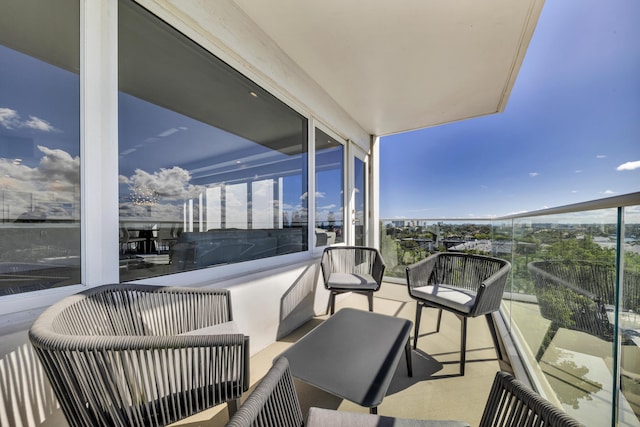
x: 592, y: 373
x: 582, y: 369
x: 434, y: 390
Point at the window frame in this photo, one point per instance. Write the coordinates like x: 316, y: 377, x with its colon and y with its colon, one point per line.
x: 344, y: 142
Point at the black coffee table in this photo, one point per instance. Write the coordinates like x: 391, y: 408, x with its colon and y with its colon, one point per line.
x: 353, y: 355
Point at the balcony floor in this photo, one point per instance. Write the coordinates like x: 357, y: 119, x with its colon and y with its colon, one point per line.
x: 436, y: 390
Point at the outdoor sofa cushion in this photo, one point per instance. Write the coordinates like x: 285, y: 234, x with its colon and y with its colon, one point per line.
x: 349, y: 280
x: 458, y: 299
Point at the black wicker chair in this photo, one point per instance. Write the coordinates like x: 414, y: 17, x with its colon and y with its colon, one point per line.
x: 464, y: 284
x: 274, y: 403
x: 351, y: 269
x: 134, y: 355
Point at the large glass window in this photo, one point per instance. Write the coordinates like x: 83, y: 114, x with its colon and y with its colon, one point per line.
x: 213, y: 169
x: 329, y: 160
x: 39, y: 144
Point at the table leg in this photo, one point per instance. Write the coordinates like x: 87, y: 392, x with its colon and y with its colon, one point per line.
x: 407, y: 353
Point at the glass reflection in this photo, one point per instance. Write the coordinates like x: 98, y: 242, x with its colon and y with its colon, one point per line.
x: 564, y: 303
x: 213, y: 169
x: 329, y: 195
x: 39, y: 146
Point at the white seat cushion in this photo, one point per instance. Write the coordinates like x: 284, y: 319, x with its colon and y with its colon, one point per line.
x: 456, y: 298
x: 352, y: 281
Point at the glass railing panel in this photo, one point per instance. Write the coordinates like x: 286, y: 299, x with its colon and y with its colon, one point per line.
x: 629, y: 319
x: 572, y: 305
x: 563, y: 304
x: 404, y: 242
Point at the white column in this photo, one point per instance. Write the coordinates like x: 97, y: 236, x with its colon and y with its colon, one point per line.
x: 99, y: 141
x: 374, y: 192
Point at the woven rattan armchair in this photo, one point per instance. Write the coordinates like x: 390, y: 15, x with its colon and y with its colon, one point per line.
x: 464, y: 284
x: 134, y: 355
x: 274, y: 403
x: 512, y: 404
x: 352, y: 269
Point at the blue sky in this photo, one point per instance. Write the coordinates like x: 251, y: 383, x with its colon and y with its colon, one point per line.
x: 570, y: 131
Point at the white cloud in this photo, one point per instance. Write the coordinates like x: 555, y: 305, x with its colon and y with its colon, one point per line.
x: 39, y: 124
x: 327, y: 208
x: 168, y: 183
x: 10, y: 119
x: 58, y: 165
x: 579, y: 171
x: 55, y: 178
x: 168, y: 132
x: 629, y: 166
x: 533, y: 174
x: 608, y: 192
x: 601, y: 156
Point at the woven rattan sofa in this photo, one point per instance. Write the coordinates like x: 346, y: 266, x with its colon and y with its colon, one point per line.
x: 134, y: 355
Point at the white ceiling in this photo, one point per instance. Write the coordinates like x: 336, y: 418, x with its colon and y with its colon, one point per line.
x: 401, y: 65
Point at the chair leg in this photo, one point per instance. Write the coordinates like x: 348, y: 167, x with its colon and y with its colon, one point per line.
x: 332, y: 303
x: 439, y: 320
x: 232, y: 406
x: 370, y: 298
x: 463, y: 344
x: 494, y: 335
x: 417, y: 324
